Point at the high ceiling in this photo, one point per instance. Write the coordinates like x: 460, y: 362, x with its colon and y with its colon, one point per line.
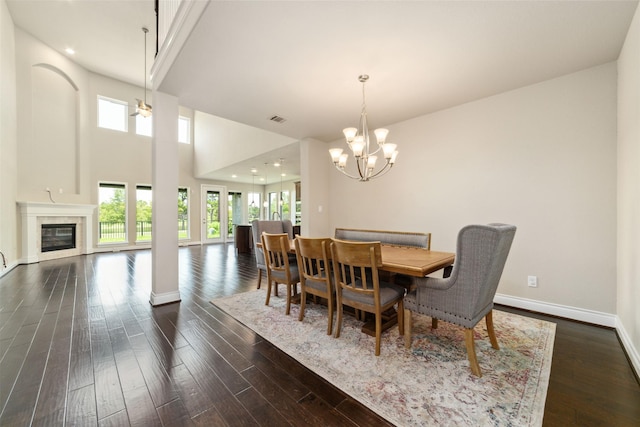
x: 250, y: 60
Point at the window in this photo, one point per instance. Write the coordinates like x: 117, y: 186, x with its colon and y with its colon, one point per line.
x: 273, y: 206
x: 143, y: 213
x: 183, y: 213
x: 112, y: 213
x: 144, y: 125
x: 184, y: 125
x: 112, y: 114
x: 234, y: 211
x: 254, y: 206
x: 285, y: 205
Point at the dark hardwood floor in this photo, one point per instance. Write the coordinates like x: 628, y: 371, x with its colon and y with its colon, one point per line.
x: 80, y: 345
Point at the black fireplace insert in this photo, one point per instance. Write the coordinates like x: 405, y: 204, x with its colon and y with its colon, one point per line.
x: 56, y: 237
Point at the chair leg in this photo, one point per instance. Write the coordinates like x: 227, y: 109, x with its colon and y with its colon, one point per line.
x: 378, y: 332
x: 492, y: 334
x: 330, y: 308
x: 471, y: 352
x: 259, y: 277
x: 339, y: 309
x: 434, y: 323
x: 400, y: 315
x: 288, y: 299
x: 407, y: 328
x: 269, y: 291
x: 303, y: 300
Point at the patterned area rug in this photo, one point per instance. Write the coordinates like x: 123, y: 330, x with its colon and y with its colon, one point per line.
x: 430, y: 384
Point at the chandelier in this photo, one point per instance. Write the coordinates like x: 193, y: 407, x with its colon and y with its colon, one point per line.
x: 365, y: 155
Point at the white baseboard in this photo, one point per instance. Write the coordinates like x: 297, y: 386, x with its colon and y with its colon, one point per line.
x: 632, y: 352
x: 581, y: 314
x: 10, y: 267
x: 165, y: 298
x: 575, y: 313
x: 120, y: 248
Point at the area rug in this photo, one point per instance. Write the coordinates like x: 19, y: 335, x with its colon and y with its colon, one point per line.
x: 430, y: 384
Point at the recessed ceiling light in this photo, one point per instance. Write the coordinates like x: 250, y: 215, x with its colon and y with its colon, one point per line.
x: 70, y: 51
x: 234, y: 176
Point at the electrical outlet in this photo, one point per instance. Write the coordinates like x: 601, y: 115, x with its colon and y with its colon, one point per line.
x: 532, y: 281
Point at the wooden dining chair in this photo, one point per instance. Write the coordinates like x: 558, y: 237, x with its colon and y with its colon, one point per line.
x: 358, y: 285
x: 279, y: 269
x: 315, y: 273
x: 257, y: 228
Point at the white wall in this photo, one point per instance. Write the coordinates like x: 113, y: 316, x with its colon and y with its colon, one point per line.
x: 542, y: 157
x: 53, y: 149
x: 8, y: 142
x: 219, y: 142
x: 98, y: 154
x: 315, y: 188
x: 628, y: 292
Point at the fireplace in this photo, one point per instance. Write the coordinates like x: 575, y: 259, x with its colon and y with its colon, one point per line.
x: 47, y: 234
x: 57, y: 237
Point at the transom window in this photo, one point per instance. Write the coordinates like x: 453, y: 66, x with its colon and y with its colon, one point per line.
x: 184, y: 127
x: 144, y: 125
x: 112, y: 114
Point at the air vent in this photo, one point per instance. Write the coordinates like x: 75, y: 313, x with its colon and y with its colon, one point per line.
x: 277, y: 119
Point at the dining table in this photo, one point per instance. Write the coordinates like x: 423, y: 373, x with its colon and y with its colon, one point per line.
x: 405, y: 260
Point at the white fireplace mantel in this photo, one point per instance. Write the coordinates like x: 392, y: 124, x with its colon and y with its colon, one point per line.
x: 34, y: 214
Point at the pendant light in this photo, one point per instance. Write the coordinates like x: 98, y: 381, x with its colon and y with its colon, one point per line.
x: 142, y: 107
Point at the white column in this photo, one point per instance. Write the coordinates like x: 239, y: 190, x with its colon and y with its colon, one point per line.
x: 164, y: 246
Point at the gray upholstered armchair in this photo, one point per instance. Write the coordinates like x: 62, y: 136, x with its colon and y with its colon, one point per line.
x: 272, y: 227
x: 467, y: 295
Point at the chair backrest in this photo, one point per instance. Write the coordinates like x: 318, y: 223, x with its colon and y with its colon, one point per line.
x: 355, y: 266
x: 481, y: 254
x: 273, y: 227
x: 314, y: 255
x: 400, y: 238
x: 276, y: 253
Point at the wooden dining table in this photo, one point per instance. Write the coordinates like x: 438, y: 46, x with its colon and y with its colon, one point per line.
x: 417, y: 262
x: 408, y: 260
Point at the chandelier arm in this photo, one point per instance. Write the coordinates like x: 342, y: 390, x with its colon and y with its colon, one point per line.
x: 374, y: 152
x: 359, y: 166
x: 345, y: 173
x: 386, y: 168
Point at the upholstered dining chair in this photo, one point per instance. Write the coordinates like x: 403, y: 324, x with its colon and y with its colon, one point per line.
x: 466, y: 296
x: 355, y: 268
x: 257, y: 228
x: 279, y: 270
x: 315, y: 273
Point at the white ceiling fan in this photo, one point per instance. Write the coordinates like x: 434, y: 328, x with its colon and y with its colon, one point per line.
x: 142, y: 107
